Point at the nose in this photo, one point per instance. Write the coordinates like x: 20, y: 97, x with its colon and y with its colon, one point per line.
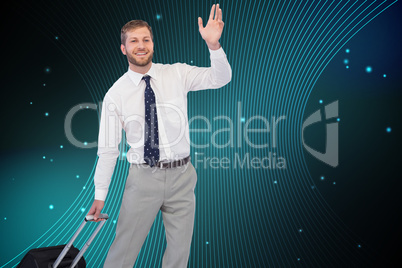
x: 140, y: 44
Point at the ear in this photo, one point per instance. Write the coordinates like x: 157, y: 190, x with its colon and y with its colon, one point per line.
x: 123, y: 49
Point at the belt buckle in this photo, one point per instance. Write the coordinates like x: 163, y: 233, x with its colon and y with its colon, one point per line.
x: 173, y: 164
x: 180, y: 162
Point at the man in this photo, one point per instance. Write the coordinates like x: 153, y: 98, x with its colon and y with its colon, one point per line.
x: 150, y: 103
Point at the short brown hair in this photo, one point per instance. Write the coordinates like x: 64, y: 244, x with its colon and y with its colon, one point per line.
x: 132, y: 25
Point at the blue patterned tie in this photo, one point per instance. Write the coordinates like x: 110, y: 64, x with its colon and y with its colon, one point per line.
x: 151, y: 144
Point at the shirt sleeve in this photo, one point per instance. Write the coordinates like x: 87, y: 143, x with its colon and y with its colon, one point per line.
x: 110, y: 133
x: 216, y: 76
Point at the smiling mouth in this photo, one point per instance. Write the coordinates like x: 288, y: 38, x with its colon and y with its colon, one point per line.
x: 141, y: 54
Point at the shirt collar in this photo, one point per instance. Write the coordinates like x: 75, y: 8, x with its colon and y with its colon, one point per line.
x: 137, y: 77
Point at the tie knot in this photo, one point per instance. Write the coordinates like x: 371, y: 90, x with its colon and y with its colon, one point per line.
x: 146, y: 78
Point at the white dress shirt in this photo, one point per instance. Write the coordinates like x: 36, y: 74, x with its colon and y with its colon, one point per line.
x: 123, y: 108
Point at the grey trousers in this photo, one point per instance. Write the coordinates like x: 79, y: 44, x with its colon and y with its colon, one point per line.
x: 147, y: 191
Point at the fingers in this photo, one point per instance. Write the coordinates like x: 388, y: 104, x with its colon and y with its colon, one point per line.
x: 91, y: 211
x: 219, y: 14
x: 200, y: 23
x: 97, y: 212
x: 215, y: 10
x: 96, y: 215
x: 211, y: 15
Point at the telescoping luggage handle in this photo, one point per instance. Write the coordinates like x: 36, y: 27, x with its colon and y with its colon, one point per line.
x: 85, y: 247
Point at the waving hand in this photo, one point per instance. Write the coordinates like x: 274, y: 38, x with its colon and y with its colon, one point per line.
x: 212, y: 32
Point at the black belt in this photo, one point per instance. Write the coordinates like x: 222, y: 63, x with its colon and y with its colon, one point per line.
x: 173, y: 164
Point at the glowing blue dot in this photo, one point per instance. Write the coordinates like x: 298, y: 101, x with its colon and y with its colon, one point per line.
x: 195, y: 153
x: 384, y: 75
x: 275, y: 182
x: 46, y: 114
x: 320, y: 101
x: 298, y: 259
x: 158, y: 16
x: 82, y: 209
x: 300, y: 230
x: 347, y: 50
x: 114, y: 221
x: 389, y: 129
x: 84, y: 187
x: 369, y: 69
x: 207, y: 243
x: 30, y: 103
x: 359, y: 246
x: 44, y: 157
x: 334, y: 183
x: 85, y: 143
x: 51, y: 160
x: 51, y: 207
x: 242, y: 119
x: 48, y: 70
x: 322, y: 178
x: 78, y: 176
x: 61, y: 146
x: 346, y: 61
x: 338, y: 119
x: 347, y: 66
x: 56, y: 37
x: 44, y: 84
x: 191, y: 62
x: 5, y: 218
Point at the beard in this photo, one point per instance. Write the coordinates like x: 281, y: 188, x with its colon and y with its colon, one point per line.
x: 141, y: 62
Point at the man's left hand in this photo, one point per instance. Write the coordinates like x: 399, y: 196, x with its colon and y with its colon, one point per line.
x: 212, y: 32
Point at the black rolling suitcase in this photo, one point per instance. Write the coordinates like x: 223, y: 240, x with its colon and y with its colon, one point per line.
x: 61, y: 256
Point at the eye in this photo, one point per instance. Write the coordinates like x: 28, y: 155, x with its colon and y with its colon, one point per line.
x: 133, y: 41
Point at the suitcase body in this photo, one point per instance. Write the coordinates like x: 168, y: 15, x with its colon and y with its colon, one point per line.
x: 61, y: 256
x: 45, y: 258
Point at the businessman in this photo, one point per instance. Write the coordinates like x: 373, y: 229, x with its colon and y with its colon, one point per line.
x: 150, y: 103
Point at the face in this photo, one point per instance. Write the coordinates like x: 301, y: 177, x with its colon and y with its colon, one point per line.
x: 139, y: 47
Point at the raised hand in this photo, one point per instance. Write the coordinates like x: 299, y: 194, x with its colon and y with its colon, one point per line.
x: 212, y: 32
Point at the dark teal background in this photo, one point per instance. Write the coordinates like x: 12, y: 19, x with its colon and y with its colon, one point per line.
x: 286, y: 56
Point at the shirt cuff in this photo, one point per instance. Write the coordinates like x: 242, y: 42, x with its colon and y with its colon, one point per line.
x: 100, y: 194
x: 216, y: 54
